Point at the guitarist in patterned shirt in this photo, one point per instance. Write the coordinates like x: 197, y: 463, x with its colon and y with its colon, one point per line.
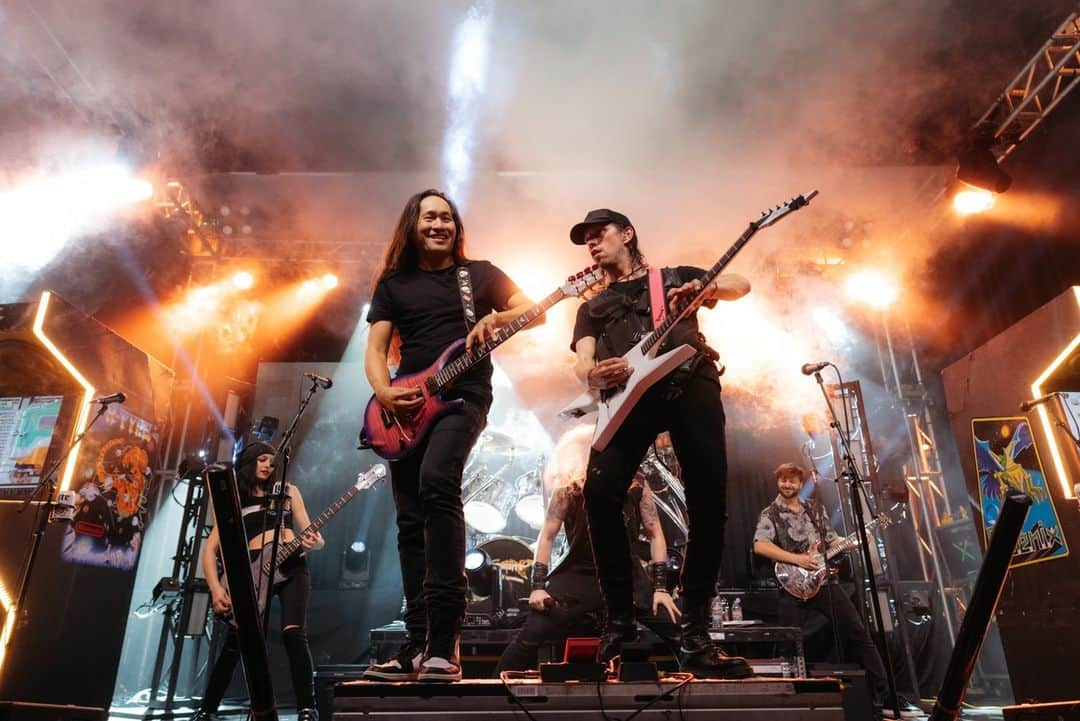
x: 789, y: 531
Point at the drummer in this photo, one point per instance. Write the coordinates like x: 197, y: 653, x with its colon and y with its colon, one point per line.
x: 567, y: 600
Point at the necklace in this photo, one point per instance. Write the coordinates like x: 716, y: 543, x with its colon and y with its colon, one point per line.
x: 630, y: 273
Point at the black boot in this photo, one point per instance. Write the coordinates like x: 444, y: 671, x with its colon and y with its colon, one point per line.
x: 619, y: 629
x: 699, y: 655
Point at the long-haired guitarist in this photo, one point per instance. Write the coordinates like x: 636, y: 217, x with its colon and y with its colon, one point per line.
x: 687, y: 403
x: 420, y: 299
x: 789, y: 530
x: 254, y: 468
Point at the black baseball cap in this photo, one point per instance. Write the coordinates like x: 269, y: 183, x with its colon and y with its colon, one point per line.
x: 600, y: 216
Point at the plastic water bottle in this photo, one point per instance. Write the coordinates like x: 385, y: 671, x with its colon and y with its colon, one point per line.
x: 716, y: 612
x: 725, y: 610
x: 736, y: 609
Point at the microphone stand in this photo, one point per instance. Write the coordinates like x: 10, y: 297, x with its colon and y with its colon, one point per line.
x: 277, y: 500
x: 44, y: 511
x: 855, y: 499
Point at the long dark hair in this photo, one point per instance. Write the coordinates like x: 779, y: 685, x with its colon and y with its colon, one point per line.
x: 400, y: 252
x: 246, y: 463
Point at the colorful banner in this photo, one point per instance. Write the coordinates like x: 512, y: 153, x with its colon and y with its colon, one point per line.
x: 1006, y: 458
x: 111, y: 485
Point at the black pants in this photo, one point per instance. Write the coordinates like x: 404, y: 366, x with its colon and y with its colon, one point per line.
x: 431, y: 529
x: 832, y: 603
x: 695, y: 419
x: 579, y: 613
x: 293, y: 595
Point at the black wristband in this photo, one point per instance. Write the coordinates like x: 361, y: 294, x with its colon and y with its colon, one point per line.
x: 538, y: 576
x: 658, y: 576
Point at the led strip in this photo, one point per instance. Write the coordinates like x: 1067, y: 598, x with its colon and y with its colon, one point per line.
x: 1044, y: 416
x: 88, y: 390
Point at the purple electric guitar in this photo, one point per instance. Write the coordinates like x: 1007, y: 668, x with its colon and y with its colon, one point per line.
x: 394, y: 438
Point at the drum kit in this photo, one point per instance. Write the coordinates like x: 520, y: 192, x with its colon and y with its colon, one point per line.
x: 492, y: 502
x: 505, y: 505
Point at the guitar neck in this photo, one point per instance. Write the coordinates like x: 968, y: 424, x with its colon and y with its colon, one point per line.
x: 454, y: 369
x: 288, y: 549
x: 849, y: 542
x: 658, y: 335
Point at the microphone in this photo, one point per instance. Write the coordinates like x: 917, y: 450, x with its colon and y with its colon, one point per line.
x: 114, y: 398
x: 810, y: 369
x: 324, y: 382
x: 1028, y: 405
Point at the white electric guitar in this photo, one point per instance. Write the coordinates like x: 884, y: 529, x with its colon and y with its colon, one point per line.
x: 614, y: 405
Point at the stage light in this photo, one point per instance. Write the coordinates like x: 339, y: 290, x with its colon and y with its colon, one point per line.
x: 977, y: 166
x: 309, y: 289
x: 329, y: 281
x: 355, y: 566
x: 243, y: 280
x: 45, y: 212
x: 967, y: 202
x: 872, y: 288
x: 481, y: 573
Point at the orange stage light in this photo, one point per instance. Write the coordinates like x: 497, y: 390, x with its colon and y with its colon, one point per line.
x: 9, y: 622
x: 329, y: 281
x: 967, y: 202
x: 243, y: 280
x: 872, y: 288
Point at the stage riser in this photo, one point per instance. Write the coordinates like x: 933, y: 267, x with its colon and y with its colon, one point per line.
x: 753, y: 700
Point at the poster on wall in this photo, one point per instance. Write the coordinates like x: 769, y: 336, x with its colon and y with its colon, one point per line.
x: 111, y: 485
x: 1007, y: 458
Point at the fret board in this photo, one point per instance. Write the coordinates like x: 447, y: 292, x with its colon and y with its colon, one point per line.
x: 455, y: 368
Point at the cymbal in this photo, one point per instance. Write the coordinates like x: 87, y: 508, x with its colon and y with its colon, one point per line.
x: 494, y: 442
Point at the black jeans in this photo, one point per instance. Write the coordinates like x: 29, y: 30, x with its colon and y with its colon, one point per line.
x: 579, y: 613
x: 832, y: 603
x: 293, y: 595
x: 431, y: 529
x: 695, y: 419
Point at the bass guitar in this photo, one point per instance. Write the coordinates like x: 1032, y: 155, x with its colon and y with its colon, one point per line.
x: 647, y: 365
x: 394, y: 438
x: 803, y: 583
x: 260, y: 557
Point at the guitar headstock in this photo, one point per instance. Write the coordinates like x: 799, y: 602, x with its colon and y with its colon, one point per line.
x: 579, y: 283
x: 369, y: 478
x: 771, y: 215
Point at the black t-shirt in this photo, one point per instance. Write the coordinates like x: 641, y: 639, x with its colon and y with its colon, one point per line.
x: 621, y: 315
x: 425, y: 307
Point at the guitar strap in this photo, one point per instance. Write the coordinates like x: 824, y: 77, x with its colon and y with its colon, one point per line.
x: 464, y: 281
x: 656, y: 297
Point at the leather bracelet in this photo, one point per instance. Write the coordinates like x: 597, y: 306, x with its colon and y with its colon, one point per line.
x: 538, y: 576
x: 658, y: 576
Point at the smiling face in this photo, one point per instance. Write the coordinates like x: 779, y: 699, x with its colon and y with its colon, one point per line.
x: 436, y: 230
x: 789, y: 485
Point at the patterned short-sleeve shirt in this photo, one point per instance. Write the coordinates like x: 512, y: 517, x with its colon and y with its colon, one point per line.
x: 792, y: 530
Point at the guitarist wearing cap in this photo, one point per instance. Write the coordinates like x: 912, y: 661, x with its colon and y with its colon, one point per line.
x: 427, y: 296
x: 686, y: 403
x: 789, y: 531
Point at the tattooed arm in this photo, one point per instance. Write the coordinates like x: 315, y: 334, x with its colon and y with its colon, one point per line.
x: 539, y: 599
x: 650, y: 523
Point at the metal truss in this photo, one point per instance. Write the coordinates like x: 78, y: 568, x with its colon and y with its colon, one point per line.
x: 1036, y: 90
